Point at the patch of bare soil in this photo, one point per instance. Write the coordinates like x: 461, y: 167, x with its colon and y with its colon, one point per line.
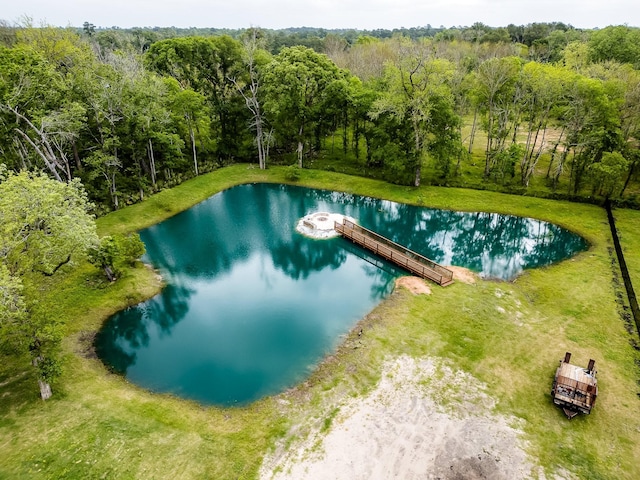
x: 85, y: 345
x: 415, y: 285
x: 423, y: 420
x: 463, y: 275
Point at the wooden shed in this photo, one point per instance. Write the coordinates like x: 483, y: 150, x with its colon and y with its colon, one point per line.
x: 575, y: 389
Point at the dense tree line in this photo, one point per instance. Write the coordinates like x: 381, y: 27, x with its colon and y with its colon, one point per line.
x: 131, y: 117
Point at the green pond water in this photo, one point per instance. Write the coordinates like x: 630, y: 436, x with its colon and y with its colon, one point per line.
x: 251, y: 305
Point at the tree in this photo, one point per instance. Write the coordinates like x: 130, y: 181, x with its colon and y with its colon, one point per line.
x: 627, y: 80
x: 12, y: 309
x: 155, y: 146
x: 255, y: 57
x: 619, y: 43
x: 575, y: 55
x: 607, y: 175
x: 592, y: 123
x: 53, y: 136
x: 89, y: 28
x: 417, y: 90
x: 543, y: 86
x: 44, y: 225
x: 189, y: 108
x: 365, y: 59
x: 297, y: 84
x: 115, y: 251
x: 207, y: 65
x: 29, y: 89
x: 495, y: 88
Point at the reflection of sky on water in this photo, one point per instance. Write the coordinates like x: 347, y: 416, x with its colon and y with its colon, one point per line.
x: 250, y: 305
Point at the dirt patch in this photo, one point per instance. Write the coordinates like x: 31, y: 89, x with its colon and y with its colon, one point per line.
x: 85, y: 346
x: 463, y: 275
x: 423, y: 420
x: 415, y: 285
x: 418, y: 286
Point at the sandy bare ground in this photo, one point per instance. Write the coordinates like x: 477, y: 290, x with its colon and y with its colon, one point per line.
x: 418, y: 286
x: 464, y: 275
x: 422, y: 421
x: 415, y: 285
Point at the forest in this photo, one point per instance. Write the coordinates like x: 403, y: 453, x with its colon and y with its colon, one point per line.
x: 541, y: 109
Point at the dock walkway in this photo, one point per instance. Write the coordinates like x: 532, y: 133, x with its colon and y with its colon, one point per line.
x: 402, y: 256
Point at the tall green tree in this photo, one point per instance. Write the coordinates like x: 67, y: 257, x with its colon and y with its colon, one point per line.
x: 625, y: 82
x: 191, y: 115
x: 543, y: 87
x: 44, y: 225
x: 30, y: 89
x: 255, y: 58
x: 592, y: 123
x: 417, y: 89
x: 297, y: 90
x: 620, y: 43
x: 496, y: 85
x: 207, y: 65
x: 607, y: 175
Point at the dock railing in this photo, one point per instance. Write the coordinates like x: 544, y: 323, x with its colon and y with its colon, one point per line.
x: 398, y: 254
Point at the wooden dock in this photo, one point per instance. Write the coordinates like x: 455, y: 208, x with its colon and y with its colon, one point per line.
x: 402, y: 256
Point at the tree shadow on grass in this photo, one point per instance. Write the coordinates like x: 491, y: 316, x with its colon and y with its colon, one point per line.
x: 18, y: 388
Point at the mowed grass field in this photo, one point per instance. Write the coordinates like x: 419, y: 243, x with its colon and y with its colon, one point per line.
x: 510, y: 335
x: 628, y: 225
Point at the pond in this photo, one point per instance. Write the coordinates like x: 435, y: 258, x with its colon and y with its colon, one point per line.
x: 251, y: 305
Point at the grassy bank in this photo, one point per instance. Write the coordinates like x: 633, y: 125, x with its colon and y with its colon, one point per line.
x: 509, y: 335
x: 628, y: 224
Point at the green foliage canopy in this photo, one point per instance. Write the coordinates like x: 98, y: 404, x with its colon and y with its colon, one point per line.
x: 43, y: 223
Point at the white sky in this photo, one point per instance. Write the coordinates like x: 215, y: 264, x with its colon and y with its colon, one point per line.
x: 359, y: 14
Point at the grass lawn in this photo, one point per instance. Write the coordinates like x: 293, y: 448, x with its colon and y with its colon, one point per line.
x: 509, y: 335
x: 628, y: 225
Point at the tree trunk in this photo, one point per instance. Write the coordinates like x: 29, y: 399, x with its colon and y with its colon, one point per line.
x: 267, y: 143
x: 108, y: 271
x: 472, y: 135
x: 50, y: 165
x: 560, y: 167
x: 300, y: 150
x: 76, y: 156
x: 356, y: 138
x: 553, y: 152
x: 418, y: 143
x: 45, y: 387
x: 193, y: 148
x: 488, y: 149
x: 152, y: 161
x: 260, y: 141
x: 114, y: 192
x: 300, y: 146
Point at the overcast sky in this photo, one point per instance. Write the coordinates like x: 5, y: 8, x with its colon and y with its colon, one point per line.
x: 359, y: 14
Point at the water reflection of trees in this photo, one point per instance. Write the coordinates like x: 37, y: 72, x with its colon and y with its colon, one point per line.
x: 210, y: 238
x: 495, y: 245
x: 128, y: 331
x: 381, y: 273
x: 301, y: 256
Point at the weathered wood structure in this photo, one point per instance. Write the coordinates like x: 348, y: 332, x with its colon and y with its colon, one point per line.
x: 402, y: 256
x: 575, y: 389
